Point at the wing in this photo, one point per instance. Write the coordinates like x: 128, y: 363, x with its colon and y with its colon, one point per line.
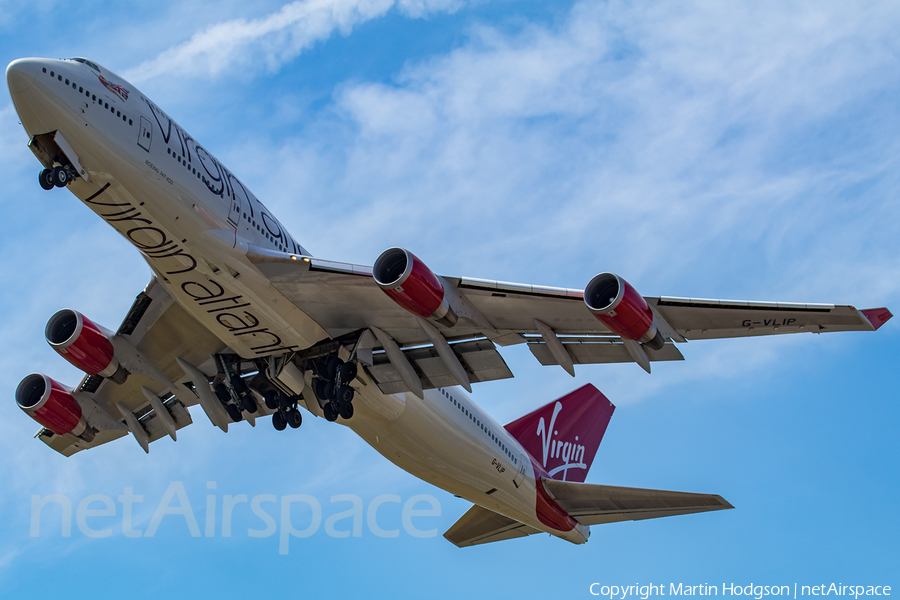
x: 155, y: 333
x: 555, y: 322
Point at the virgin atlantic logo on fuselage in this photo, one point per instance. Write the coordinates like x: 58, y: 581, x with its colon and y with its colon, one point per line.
x: 118, y: 90
x: 571, y: 453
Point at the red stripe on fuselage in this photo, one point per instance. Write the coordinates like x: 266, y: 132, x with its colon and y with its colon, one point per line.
x: 547, y: 510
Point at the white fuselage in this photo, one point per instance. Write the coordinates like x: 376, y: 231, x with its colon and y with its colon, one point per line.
x: 192, y: 220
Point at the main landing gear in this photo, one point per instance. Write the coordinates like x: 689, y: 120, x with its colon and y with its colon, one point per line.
x: 237, y: 394
x: 243, y: 386
x: 286, y: 410
x: 240, y: 400
x: 55, y: 177
x: 232, y: 391
x: 332, y: 387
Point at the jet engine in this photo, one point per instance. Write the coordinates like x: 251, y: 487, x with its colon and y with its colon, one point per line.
x: 50, y: 404
x: 84, y: 344
x: 622, y: 309
x: 413, y: 285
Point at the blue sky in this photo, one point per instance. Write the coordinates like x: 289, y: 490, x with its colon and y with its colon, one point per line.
x: 744, y: 150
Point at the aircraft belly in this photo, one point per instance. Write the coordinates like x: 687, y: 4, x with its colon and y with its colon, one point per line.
x: 421, y: 442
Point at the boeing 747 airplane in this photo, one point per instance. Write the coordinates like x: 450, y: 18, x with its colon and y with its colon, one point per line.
x: 243, y: 322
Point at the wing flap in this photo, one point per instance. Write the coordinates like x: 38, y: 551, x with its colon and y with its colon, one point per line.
x: 480, y: 359
x: 482, y: 526
x: 585, y: 351
x: 594, y: 504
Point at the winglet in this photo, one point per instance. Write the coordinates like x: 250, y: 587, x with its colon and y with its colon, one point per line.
x: 877, y: 316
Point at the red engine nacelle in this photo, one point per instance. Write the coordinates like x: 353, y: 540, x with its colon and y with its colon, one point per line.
x: 413, y: 285
x: 84, y: 344
x: 621, y: 308
x: 50, y: 404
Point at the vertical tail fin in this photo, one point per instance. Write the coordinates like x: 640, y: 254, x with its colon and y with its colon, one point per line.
x: 564, y: 435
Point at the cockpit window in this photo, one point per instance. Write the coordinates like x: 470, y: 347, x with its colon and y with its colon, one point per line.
x: 88, y: 63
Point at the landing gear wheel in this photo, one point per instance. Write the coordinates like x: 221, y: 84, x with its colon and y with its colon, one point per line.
x: 346, y: 410
x: 278, y: 421
x: 239, y: 386
x: 332, y: 366
x: 271, y: 399
x: 248, y: 403
x: 345, y: 394
x: 294, y: 418
x: 331, y: 413
x: 60, y: 176
x: 222, y: 393
x: 348, y: 372
x: 322, y: 388
x: 234, y: 412
x: 46, y: 179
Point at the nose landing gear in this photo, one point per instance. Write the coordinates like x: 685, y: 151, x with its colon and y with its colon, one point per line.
x: 55, y: 177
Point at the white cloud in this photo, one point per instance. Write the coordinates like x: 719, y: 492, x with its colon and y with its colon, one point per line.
x: 270, y: 41
x: 678, y: 144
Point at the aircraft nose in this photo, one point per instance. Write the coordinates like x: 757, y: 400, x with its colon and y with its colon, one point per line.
x: 18, y: 75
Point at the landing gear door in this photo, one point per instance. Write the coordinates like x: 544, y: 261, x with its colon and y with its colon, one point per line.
x: 234, y: 215
x: 520, y: 476
x: 145, y: 136
x: 239, y: 200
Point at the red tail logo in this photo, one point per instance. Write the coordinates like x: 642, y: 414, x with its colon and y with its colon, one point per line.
x: 565, y: 434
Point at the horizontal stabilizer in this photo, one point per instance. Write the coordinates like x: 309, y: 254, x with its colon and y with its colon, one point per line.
x: 598, y: 504
x: 480, y: 526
